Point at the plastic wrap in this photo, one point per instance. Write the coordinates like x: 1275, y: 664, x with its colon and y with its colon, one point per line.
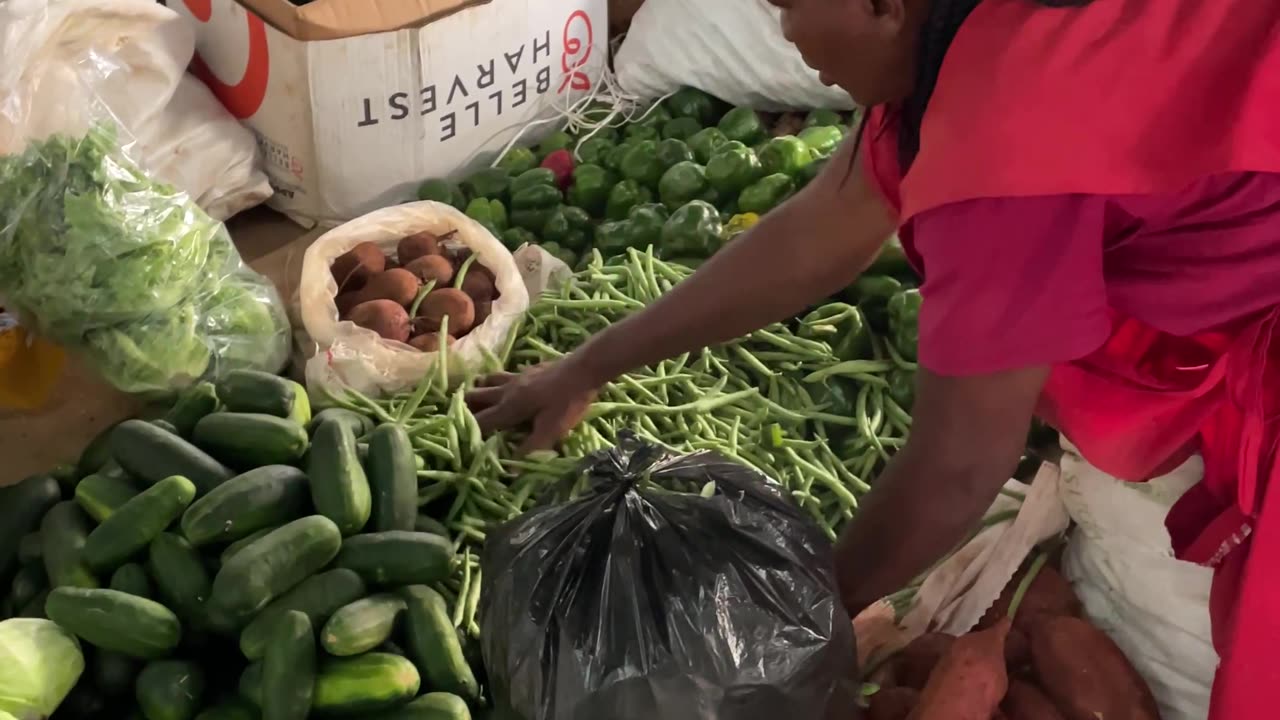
x: 107, y: 261
x: 682, y: 588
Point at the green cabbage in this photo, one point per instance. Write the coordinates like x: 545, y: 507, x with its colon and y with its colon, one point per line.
x: 39, y: 664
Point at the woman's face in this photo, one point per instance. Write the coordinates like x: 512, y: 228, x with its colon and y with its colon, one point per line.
x: 864, y: 46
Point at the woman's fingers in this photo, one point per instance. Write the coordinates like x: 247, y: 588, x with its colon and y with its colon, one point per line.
x: 484, y: 397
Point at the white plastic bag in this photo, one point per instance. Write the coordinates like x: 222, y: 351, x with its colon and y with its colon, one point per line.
x: 182, y: 134
x: 1121, y: 562
x: 348, y: 356
x: 732, y: 49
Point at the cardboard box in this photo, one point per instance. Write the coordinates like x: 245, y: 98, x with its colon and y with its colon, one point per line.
x: 355, y: 102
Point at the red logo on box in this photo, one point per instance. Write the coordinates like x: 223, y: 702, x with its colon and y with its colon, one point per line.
x: 244, y: 98
x: 579, y: 40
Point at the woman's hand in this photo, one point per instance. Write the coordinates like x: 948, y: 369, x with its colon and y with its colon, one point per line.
x: 550, y: 398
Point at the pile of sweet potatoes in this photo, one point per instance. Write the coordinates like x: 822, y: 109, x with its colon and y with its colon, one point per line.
x: 429, y: 285
x: 1044, y: 663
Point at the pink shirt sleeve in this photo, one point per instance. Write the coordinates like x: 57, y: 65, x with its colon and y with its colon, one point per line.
x: 1011, y: 282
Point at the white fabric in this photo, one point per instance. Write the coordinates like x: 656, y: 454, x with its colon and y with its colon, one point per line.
x: 732, y: 49
x: 349, y: 356
x: 54, y: 78
x: 1121, y: 562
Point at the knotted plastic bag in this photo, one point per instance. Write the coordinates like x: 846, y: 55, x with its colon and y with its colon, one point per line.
x: 681, y: 588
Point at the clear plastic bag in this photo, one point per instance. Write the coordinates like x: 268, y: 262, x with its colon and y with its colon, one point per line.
x: 102, y: 258
x: 681, y: 588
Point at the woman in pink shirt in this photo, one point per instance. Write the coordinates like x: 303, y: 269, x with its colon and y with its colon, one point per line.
x: 1091, y: 191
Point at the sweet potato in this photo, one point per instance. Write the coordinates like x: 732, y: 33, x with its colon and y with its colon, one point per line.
x: 384, y: 317
x: 1085, y: 673
x: 448, y: 302
x: 345, y: 302
x: 352, y: 269
x: 892, y: 703
x: 1017, y: 651
x: 399, y: 286
x: 483, y: 310
x: 1049, y: 596
x: 917, y: 660
x: 431, y: 267
x: 1024, y: 701
x: 477, y: 284
x: 417, y: 245
x: 429, y: 342
x: 970, y: 680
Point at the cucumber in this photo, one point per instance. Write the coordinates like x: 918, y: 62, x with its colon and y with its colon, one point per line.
x: 116, y: 621
x: 250, y: 440
x: 67, y: 478
x: 253, y: 391
x: 97, y: 453
x: 230, y: 709
x: 35, y: 607
x: 289, y: 669
x: 164, y: 425
x: 258, y: 499
x: 113, y: 673
x: 432, y: 706
x: 133, y: 526
x: 170, y: 690
x: 393, y: 479
x: 150, y: 454
x: 250, y: 685
x: 361, y: 626
x: 82, y: 703
x: 132, y: 578
x: 100, y: 495
x: 428, y: 524
x: 62, y: 536
x: 193, y: 404
x: 397, y: 557
x: 271, y: 566
x: 243, y: 543
x: 339, y: 488
x: 29, y: 550
x: 28, y: 583
x: 364, y: 684
x: 360, y: 425
x: 179, y: 574
x: 22, y: 507
x: 434, y: 645
x: 319, y: 596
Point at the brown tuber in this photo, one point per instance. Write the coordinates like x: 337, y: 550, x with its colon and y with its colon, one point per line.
x: 1025, y: 702
x: 429, y: 342
x: 917, y: 660
x: 384, y: 317
x: 970, y: 680
x: 431, y: 267
x: 417, y: 245
x: 447, y: 302
x: 1085, y: 673
x: 477, y: 284
x: 346, y: 301
x: 892, y: 703
x: 1048, y: 596
x: 483, y: 311
x: 352, y: 269
x: 399, y: 286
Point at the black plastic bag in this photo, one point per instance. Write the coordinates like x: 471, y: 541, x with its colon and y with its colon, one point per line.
x: 673, y: 588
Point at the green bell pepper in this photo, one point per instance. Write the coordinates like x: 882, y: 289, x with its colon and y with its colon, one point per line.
x: 821, y: 116
x: 570, y: 227
x: 692, y: 103
x: 492, y: 214
x: 623, y: 197
x: 786, y: 155
x: 904, y: 321
x: 515, y: 237
x: 613, y: 238
x: 733, y: 168
x: 823, y: 139
x: 563, y: 254
x: 443, y: 191
x: 672, y: 152
x: 872, y: 294
x: 705, y: 142
x: 641, y: 164
x: 693, y: 231
x: 517, y: 160
x: 684, y: 182
x: 613, y: 161
x: 838, y: 396
x: 590, y: 189
x: 640, y: 132
x: 743, y: 124
x: 811, y: 171
x: 902, y: 388
x: 493, y: 183
x: 841, y: 326
x: 766, y: 194
x: 655, y: 117
x: 533, y: 205
x: 646, y: 222
x: 681, y: 128
x: 594, y: 150
x: 892, y: 260
x: 558, y: 140
x: 529, y: 178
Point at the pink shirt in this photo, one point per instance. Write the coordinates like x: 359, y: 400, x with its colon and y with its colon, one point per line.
x: 1013, y: 282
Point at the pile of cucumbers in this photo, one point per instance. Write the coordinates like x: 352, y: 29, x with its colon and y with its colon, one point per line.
x: 239, y: 559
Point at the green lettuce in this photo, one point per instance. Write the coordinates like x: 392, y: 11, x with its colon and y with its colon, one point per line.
x: 39, y: 664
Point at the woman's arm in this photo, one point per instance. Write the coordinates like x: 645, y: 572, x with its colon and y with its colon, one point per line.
x: 967, y: 435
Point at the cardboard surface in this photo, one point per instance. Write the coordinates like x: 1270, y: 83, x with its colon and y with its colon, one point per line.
x: 82, y: 405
